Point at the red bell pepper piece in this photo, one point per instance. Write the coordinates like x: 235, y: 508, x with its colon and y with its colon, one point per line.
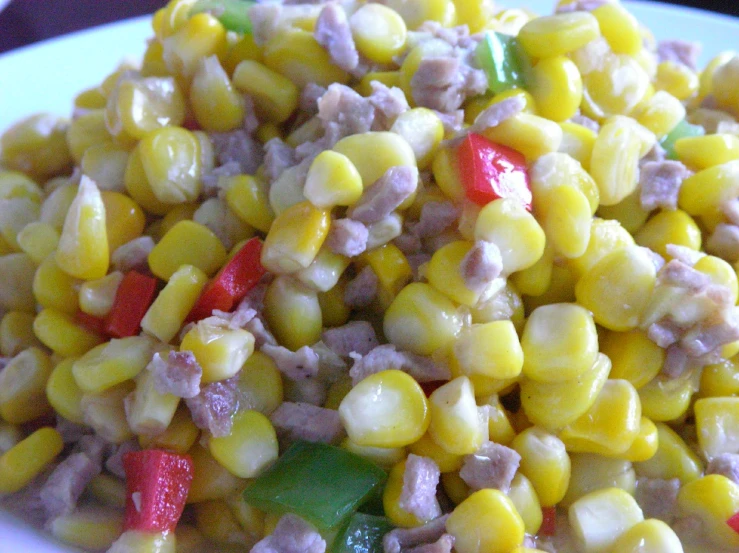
x: 157, y: 483
x: 549, y: 521
x: 733, y: 522
x: 490, y: 171
x: 133, y: 298
x: 90, y: 322
x: 232, y: 282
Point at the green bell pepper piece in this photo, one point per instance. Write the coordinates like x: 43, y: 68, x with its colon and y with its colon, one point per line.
x: 321, y: 483
x: 682, y: 130
x: 363, y: 534
x: 504, y: 62
x: 233, y: 14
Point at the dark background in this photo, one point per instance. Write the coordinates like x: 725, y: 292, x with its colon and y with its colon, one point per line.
x: 27, y: 21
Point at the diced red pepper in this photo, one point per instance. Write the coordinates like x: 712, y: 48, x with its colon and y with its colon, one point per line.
x: 157, y: 483
x: 733, y: 522
x: 232, y: 282
x: 132, y: 299
x: 90, y: 322
x: 549, y: 521
x: 490, y: 171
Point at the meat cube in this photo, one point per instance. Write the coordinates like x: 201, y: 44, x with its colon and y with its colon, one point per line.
x: 179, y: 374
x: 420, y: 479
x: 386, y: 357
x: 726, y: 464
x: 361, y: 291
x: 114, y: 463
x: 657, y: 498
x: 402, y: 539
x: 296, y: 365
x: 303, y: 421
x: 291, y: 535
x: 679, y: 51
x: 443, y: 545
x: 385, y: 195
x: 353, y: 337
x: 213, y: 408
x: 481, y: 266
x: 309, y: 98
x: 660, y: 183
x: 278, y: 156
x: 388, y: 102
x: 347, y: 237
x: 491, y: 466
x: 237, y: 146
x: 345, y: 110
x: 334, y: 34
x: 724, y: 242
x: 435, y: 218
x: 64, y: 487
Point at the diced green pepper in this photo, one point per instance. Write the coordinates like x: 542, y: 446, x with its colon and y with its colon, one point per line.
x: 233, y: 14
x: 321, y: 483
x: 363, y: 534
x: 504, y: 62
x: 682, y: 130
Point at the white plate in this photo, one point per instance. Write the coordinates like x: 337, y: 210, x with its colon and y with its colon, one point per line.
x: 47, y: 76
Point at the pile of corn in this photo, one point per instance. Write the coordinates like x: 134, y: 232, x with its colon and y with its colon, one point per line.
x: 557, y: 365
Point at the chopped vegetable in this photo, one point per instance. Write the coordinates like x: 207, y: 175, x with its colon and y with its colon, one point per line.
x: 90, y: 322
x: 503, y: 60
x: 733, y: 523
x: 549, y: 521
x: 363, y: 534
x: 233, y: 14
x: 132, y: 299
x: 682, y: 130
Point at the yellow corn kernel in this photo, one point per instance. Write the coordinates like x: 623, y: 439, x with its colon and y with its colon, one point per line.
x: 111, y: 363
x: 105, y: 413
x: 677, y: 79
x: 187, y: 243
x: 500, y: 429
x: 36, y: 146
x: 446, y: 174
x: 487, y: 351
x: 336, y: 393
x: 243, y: 49
x: 93, y: 529
x: 384, y: 457
x: 717, y: 421
x: 144, y: 542
x: 554, y: 35
x: 599, y: 518
x: 38, y: 240
x: 56, y: 205
x: 210, y: 479
x: 415, y: 12
x: 706, y: 191
x: 325, y: 271
x: 423, y: 130
x: 651, y: 535
x: 248, y: 198
x: 556, y: 86
x: 388, y: 150
x: 108, y: 490
x: 215, y: 103
x: 673, y: 459
x: 217, y: 523
x: 605, y: 236
x: 388, y: 78
x: 170, y: 157
x: 634, y: 356
x: 445, y: 274
x: 645, y: 445
x: 260, y: 383
x: 379, y: 32
x: 628, y: 212
x: 83, y: 245
x: 456, y: 488
x: 619, y: 28
x: 669, y: 227
x: 706, y: 76
x: 14, y: 184
x: 96, y: 296
x: 137, y: 185
x: 275, y: 96
x: 524, y: 498
x: 249, y: 448
x: 267, y: 132
x: 577, y: 142
x: 713, y: 499
x: 63, y: 393
x: 333, y: 180
x: 22, y: 386
x: 15, y: 215
x: 59, y: 332
x: 141, y: 105
x: 149, y: 411
x: 171, y: 17
x: 87, y: 130
x: 702, y: 152
x: 16, y: 333
x: 22, y: 462
x: 200, y: 36
x: 531, y: 135
x: 54, y: 288
x: 249, y: 518
x: 545, y: 463
x: 592, y: 472
x: 179, y: 436
x: 386, y: 409
x: 618, y: 287
x: 421, y: 319
x: 427, y: 447
x: 220, y: 351
x: 391, y: 499
x: 720, y: 380
x: 293, y: 313
x: 535, y: 280
x: 124, y: 219
x: 457, y: 424
x: 561, y: 289
x: 153, y: 64
x: 615, y: 88
x: 661, y: 113
x: 392, y: 269
x: 506, y: 304
x: 666, y: 399
x: 486, y: 522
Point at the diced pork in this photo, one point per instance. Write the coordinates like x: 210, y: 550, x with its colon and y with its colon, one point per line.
x: 418, y: 261
x: 334, y: 34
x: 420, y: 479
x: 353, y: 337
x: 657, y: 498
x: 278, y: 156
x: 664, y: 333
x: 237, y: 146
x: 435, y: 218
x: 677, y: 273
x: 94, y: 447
x: 385, y: 195
x: 657, y: 153
x: 386, y: 357
x: 331, y: 366
x: 296, y: 365
x: 133, y: 254
x: 361, y: 291
x: 491, y: 466
x: 264, y: 19
x: 262, y: 335
x: 114, y: 463
x: 402, y: 539
x: 443, y: 545
x: 71, y: 432
x: 388, y: 102
x: 345, y: 111
x: 212, y: 180
x: 726, y: 464
x: 498, y: 112
x: 303, y: 421
x: 179, y: 374
x: 291, y: 535
x: 347, y: 237
x: 724, y: 242
x: 408, y: 243
x: 452, y: 121
x: 443, y: 83
x: 689, y: 256
x: 313, y: 391
x: 384, y: 230
x: 309, y: 98
x: 481, y: 265
x: 660, y: 183
x: 213, y: 408
x: 64, y: 487
x: 712, y: 335
x: 679, y: 51
x: 677, y: 362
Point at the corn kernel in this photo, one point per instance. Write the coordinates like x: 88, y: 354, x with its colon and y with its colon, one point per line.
x: 384, y: 457
x: 391, y: 499
x: 171, y: 160
x: 22, y: 386
x: 59, y: 332
x: 556, y: 87
x: 592, y: 472
x: 422, y: 129
x: 446, y: 174
x: 332, y: 180
x: 218, y: 524
x: 415, y: 12
x: 529, y: 134
x: 54, y: 288
x: 720, y: 380
x: 293, y: 313
x: 217, y: 106
x: 457, y: 424
x: 87, y: 130
x: 615, y: 88
x: 179, y: 436
x: 388, y: 150
x: 490, y: 350
x: 378, y: 31
x: 666, y: 399
x: 669, y: 227
x: 577, y: 142
x: 427, y: 447
x: 138, y: 187
x: 187, y: 243
x: 149, y: 411
x: 96, y: 297
x: 248, y: 199
x: 706, y: 191
x: 392, y: 269
x: 88, y: 528
x: 141, y: 105
x: 486, y: 522
x: 545, y: 463
x: 249, y: 448
x: 717, y: 421
x: 713, y: 499
x: 673, y: 459
x: 199, y: 36
x: 124, y: 219
x: 36, y: 146
x: 144, y: 542
x: 109, y: 490
x: 63, y: 393
x: 275, y: 96
x: 628, y: 212
x: 210, y: 479
x: 444, y: 273
x: 619, y: 28
x: 702, y: 152
x: 111, y: 363
x: 220, y: 351
x: 652, y: 535
x: 22, y: 462
x: 678, y: 79
x: 38, y: 240
x: 599, y: 518
x: 634, y: 356
x: 105, y: 413
x: 554, y: 35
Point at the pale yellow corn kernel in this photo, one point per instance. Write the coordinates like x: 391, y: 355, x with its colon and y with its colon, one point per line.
x: 325, y: 271
x: 220, y: 351
x: 260, y: 383
x: 666, y: 399
x: 152, y: 63
x: 713, y: 499
x: 144, y: 542
x: 378, y: 31
x: 456, y: 489
x: 83, y: 245
x: 187, y: 243
x: 679, y: 80
x: 87, y: 130
x: 391, y: 499
x: 490, y: 350
x: 706, y: 191
x: 648, y: 536
x: 26, y: 459
x: 165, y: 316
x: 566, y: 220
x: 554, y: 35
x: 673, y: 459
x: 702, y: 152
x: 22, y: 386
x: 592, y: 472
x: 644, y: 446
x: 90, y: 528
x: 388, y: 78
x: 634, y: 356
x: 148, y: 411
x: 386, y: 409
x: 486, y: 522
x: 250, y: 519
x: 457, y: 424
x: 392, y: 269
x: 555, y: 170
x: 108, y: 490
x: 384, y: 231
x: 245, y: 48
x: 137, y: 185
x: 628, y: 212
x: 14, y: 184
x: 619, y: 28
x: 337, y: 392
x: 544, y: 462
x: 179, y: 436
x: 247, y: 197
x: 16, y: 333
x: 720, y: 380
x: 106, y: 165
x: 54, y: 288
x: 267, y: 132
x: 661, y: 113
x: 615, y: 88
x: 524, y: 498
x: 296, y: 54
x: 500, y: 429
x: 427, y: 447
x: 514, y: 230
x: 422, y: 129
x: 384, y: 457
x: 531, y: 135
x: 476, y: 14
x: 96, y: 296
x: 217, y: 523
x: 171, y: 17
x: 605, y: 236
x: 421, y: 319
x: 141, y: 105
x: 293, y: 313
x: 105, y: 413
x: 510, y: 21
x: 706, y: 76
x: 446, y: 174
x: 388, y: 150
x: 275, y: 96
x: 505, y: 305
x: 669, y: 227
x: 15, y: 215
x: 717, y: 425
x: 287, y: 190
x: 249, y: 448
x: 171, y: 160
x: 59, y: 332
x: 599, y: 518
x: 535, y: 280
x: 617, y: 288
x: 561, y: 289
x: 210, y: 479
x: 444, y: 272
x: 333, y: 180
x: 56, y: 205
x: 577, y: 142
x: 112, y: 363
x: 215, y: 103
x: 556, y: 86
x: 415, y: 12
x: 200, y: 36
x: 63, y: 393
x: 308, y: 131
x: 295, y: 238
x: 38, y: 240
x: 37, y: 146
